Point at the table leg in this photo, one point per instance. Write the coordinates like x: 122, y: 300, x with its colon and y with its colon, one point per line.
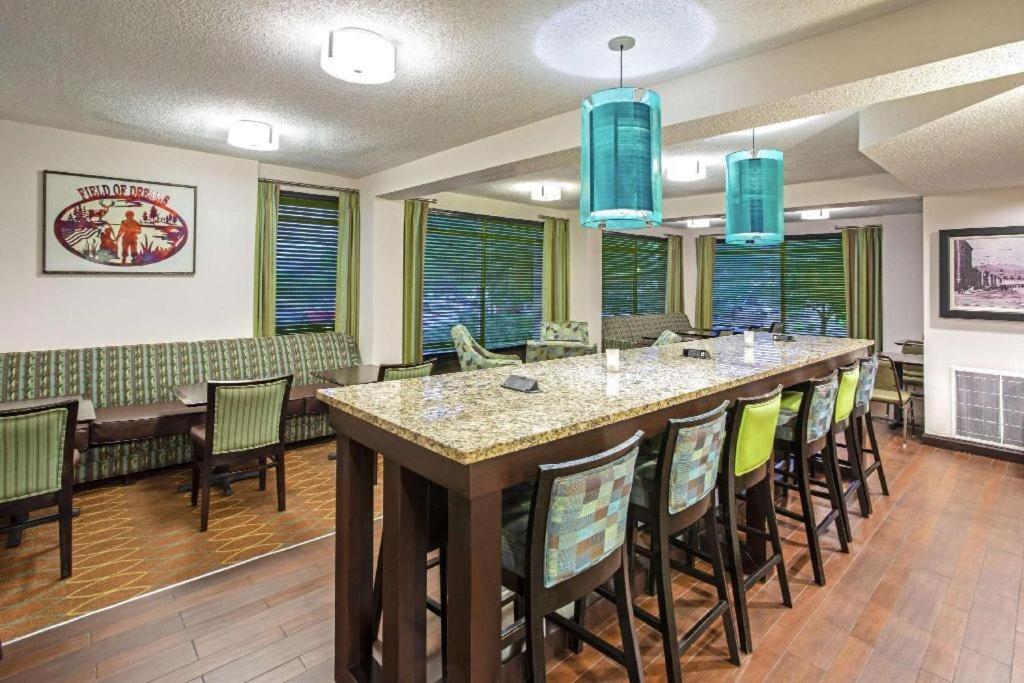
x: 404, y: 655
x: 353, y: 598
x: 474, y: 587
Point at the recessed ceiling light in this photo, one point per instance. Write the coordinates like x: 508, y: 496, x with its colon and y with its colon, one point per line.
x: 254, y: 135
x: 685, y: 169
x: 358, y: 56
x: 546, y: 192
x: 814, y: 215
x: 698, y: 223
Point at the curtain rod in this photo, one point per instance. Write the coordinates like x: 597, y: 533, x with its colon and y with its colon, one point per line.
x: 420, y: 199
x: 855, y: 227
x: 555, y: 218
x: 311, y: 186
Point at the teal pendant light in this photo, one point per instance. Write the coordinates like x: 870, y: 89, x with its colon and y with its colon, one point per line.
x: 753, y: 197
x: 620, y: 165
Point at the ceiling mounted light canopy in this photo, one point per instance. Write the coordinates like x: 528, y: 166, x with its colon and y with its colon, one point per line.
x: 620, y: 165
x: 685, y: 169
x: 546, y: 192
x: 254, y: 135
x: 357, y: 55
x: 814, y: 215
x: 753, y: 196
x: 698, y: 223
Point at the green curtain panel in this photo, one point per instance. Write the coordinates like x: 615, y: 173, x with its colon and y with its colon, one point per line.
x: 412, y: 285
x: 555, y: 280
x: 674, y: 296
x: 346, y: 302
x: 705, y: 281
x: 862, y: 258
x: 265, y: 286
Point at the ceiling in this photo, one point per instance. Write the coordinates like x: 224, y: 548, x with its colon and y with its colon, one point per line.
x: 178, y: 73
x: 817, y: 148
x: 892, y: 207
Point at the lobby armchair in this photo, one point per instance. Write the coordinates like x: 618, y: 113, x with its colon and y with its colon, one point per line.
x: 472, y: 356
x: 560, y: 340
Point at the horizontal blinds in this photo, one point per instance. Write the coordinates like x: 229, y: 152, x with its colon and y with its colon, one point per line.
x: 800, y: 283
x: 307, y: 263
x: 485, y: 273
x: 633, y: 274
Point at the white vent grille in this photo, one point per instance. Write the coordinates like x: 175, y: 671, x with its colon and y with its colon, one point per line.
x: 988, y: 406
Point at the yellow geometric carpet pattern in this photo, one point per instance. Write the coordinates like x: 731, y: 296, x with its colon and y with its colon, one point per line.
x: 131, y: 540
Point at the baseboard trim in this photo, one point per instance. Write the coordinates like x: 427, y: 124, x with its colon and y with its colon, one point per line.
x: 995, y: 452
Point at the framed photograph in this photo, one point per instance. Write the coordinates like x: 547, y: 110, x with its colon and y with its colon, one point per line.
x: 981, y: 273
x: 95, y: 224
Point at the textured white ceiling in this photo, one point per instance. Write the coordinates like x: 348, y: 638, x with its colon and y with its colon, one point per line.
x: 179, y: 72
x: 816, y: 148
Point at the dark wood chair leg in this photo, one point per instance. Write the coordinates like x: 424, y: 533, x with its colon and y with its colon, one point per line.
x: 834, y: 484
x: 204, y: 505
x: 262, y: 464
x: 810, y: 524
x: 579, y: 615
x: 281, y: 495
x: 718, y: 567
x: 442, y: 568
x: 535, y: 643
x: 873, y: 440
x: 853, y: 454
x: 661, y: 549
x: 378, y: 590
x: 776, y: 541
x: 736, y: 578
x: 831, y: 457
x: 66, y: 515
x: 194, y: 493
x: 624, y: 608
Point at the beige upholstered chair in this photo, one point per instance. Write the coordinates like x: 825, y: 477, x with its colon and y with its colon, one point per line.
x: 890, y: 391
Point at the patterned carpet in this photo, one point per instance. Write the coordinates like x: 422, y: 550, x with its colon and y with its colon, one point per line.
x: 131, y: 540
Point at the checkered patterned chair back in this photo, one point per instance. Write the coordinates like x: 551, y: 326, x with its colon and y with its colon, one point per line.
x: 866, y: 382
x: 586, y: 514
x: 823, y: 406
x: 695, y: 459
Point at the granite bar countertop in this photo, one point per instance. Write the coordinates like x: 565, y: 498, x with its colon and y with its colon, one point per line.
x: 469, y: 417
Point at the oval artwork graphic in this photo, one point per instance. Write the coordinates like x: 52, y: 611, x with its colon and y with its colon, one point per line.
x: 117, y: 231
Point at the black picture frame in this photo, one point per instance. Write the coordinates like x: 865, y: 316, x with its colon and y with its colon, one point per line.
x: 947, y: 306
x: 48, y: 270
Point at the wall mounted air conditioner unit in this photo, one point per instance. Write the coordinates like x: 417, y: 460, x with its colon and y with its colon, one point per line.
x: 988, y: 407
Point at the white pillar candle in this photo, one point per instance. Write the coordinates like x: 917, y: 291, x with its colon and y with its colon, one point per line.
x: 612, y: 359
x: 611, y: 387
x: 748, y: 338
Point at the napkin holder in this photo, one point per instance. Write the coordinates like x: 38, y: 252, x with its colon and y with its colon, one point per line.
x: 526, y: 385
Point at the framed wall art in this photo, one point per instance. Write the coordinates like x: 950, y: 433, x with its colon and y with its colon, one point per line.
x: 96, y: 224
x: 981, y: 273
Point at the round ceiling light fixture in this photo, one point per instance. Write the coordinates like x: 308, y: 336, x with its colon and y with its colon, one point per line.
x: 357, y: 55
x: 685, y: 169
x: 546, y: 192
x: 814, y: 215
x: 253, y: 135
x: 698, y: 223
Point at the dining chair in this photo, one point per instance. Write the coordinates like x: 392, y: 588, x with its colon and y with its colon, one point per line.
x: 913, y: 373
x: 394, y: 371
x: 673, y: 494
x: 37, y: 469
x: 472, y: 356
x: 566, y: 542
x: 245, y: 422
x: 804, y: 432
x: 667, y: 337
x: 890, y: 391
x: 747, y: 465
x: 863, y: 425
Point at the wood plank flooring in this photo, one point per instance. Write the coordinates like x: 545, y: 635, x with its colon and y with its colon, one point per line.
x: 930, y: 592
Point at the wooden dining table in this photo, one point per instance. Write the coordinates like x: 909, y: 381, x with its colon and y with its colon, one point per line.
x: 466, y: 433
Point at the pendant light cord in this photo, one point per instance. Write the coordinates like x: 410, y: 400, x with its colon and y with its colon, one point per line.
x: 753, y: 139
x: 620, y: 65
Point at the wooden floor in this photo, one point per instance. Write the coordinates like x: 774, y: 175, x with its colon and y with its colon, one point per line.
x: 930, y: 592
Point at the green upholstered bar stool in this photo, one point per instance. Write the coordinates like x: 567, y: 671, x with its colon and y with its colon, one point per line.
x: 37, y: 469
x: 667, y: 337
x: 842, y: 424
x: 565, y: 543
x: 472, y: 356
x: 863, y: 426
x: 244, y: 424
x: 805, y: 432
x: 747, y: 465
x: 673, y: 493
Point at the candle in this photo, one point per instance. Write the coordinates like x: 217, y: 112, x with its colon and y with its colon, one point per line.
x: 612, y: 359
x: 748, y: 338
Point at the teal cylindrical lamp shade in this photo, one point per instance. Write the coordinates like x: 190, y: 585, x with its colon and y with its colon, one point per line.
x: 620, y: 169
x: 753, y: 197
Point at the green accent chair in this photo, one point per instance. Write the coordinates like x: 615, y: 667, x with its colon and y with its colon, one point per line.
x: 472, y: 356
x: 667, y: 337
x: 245, y: 422
x: 405, y: 371
x: 37, y: 470
x: 748, y: 465
x: 560, y: 340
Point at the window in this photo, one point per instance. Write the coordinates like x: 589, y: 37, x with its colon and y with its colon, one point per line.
x: 800, y: 282
x: 633, y: 271
x: 485, y: 273
x: 307, y: 262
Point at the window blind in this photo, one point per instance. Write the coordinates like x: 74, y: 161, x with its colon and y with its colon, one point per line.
x: 633, y: 271
x: 800, y: 283
x: 485, y: 273
x: 307, y: 262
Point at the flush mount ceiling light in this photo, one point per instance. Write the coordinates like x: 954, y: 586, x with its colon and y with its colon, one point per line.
x: 753, y: 196
x: 357, y: 55
x: 254, y: 135
x: 546, y: 192
x: 620, y: 157
x: 814, y: 215
x: 685, y: 169
x: 698, y: 223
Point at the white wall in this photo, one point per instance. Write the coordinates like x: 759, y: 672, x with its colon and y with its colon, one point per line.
x: 60, y: 311
x: 983, y: 344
